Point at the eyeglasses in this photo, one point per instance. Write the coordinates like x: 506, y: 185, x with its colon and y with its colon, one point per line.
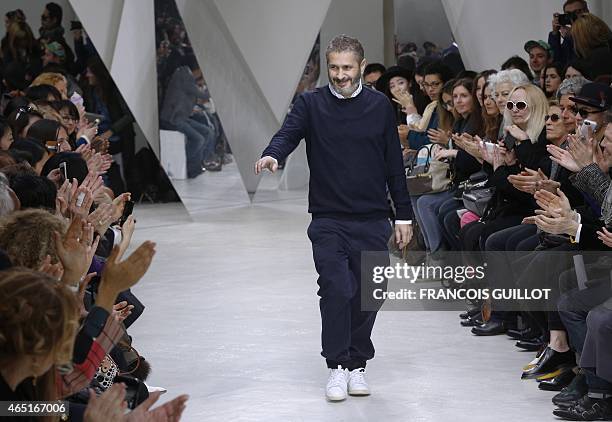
x: 584, y: 112
x: 553, y: 117
x: 431, y: 85
x: 519, y: 105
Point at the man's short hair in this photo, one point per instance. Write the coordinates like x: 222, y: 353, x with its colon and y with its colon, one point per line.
x: 344, y: 43
x: 584, y: 4
x: 440, y: 69
x: 374, y: 67
x: 55, y: 11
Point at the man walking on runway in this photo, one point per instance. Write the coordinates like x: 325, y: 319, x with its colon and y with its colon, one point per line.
x: 354, y: 157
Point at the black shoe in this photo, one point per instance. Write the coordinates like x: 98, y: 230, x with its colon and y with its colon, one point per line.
x: 526, y: 334
x: 213, y: 165
x: 470, y: 313
x: 572, y: 393
x: 559, y: 382
x: 587, y: 409
x: 531, y: 345
x: 471, y: 321
x: 489, y: 328
x: 550, y: 362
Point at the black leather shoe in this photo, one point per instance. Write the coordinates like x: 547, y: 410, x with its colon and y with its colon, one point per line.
x: 471, y: 321
x: 470, y: 313
x: 489, y: 328
x: 526, y: 334
x: 550, y: 362
x: 587, y: 409
x: 559, y: 382
x: 572, y: 393
x: 531, y: 345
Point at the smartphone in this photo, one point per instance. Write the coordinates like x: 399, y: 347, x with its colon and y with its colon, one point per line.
x: 128, y: 208
x: 489, y: 146
x: 93, y: 116
x: 509, y: 142
x: 587, y: 125
x: 63, y: 171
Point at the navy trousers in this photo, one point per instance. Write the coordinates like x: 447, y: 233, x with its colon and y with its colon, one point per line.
x: 337, y: 247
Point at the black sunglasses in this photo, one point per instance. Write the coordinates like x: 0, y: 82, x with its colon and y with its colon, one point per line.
x: 553, y: 117
x: 584, y: 113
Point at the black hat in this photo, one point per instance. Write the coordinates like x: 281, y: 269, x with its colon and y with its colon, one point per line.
x: 594, y: 94
x: 383, y: 82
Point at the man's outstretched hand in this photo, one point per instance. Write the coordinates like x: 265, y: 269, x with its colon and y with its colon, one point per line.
x: 266, y: 163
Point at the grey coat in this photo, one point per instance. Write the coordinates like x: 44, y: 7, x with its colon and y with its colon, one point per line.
x: 181, y: 95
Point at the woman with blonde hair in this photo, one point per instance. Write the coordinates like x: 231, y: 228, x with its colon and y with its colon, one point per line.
x: 54, y: 79
x: 593, y: 44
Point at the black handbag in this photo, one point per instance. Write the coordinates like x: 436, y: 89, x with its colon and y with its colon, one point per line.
x: 476, y: 196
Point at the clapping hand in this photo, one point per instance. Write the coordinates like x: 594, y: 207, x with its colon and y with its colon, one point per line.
x: 605, y: 236
x: 75, y: 249
x: 526, y: 181
x: 438, y: 136
x: 119, y: 276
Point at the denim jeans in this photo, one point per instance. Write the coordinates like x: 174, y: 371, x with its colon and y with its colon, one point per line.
x: 200, y: 144
x: 428, y: 207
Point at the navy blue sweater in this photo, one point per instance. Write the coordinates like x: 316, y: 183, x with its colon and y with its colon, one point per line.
x: 353, y: 153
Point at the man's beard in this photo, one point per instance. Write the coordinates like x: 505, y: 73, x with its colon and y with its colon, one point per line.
x: 348, y: 90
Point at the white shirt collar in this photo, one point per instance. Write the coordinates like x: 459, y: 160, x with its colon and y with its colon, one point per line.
x: 340, y: 96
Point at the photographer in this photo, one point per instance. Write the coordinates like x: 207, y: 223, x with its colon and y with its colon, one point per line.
x: 560, y: 38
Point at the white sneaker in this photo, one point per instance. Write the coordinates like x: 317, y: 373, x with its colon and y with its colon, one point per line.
x: 336, y: 384
x: 357, y: 384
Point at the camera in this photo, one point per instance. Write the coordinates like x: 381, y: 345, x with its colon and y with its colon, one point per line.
x: 566, y: 19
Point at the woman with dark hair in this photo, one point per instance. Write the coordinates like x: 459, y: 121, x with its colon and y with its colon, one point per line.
x: 432, y: 208
x: 550, y: 79
x: 491, y: 115
x: 6, y: 135
x: 51, y: 134
x: 21, y: 119
x: 480, y: 81
x: 102, y: 97
x: 70, y: 119
x: 42, y: 92
x: 32, y: 152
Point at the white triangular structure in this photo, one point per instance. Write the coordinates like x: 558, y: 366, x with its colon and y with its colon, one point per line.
x: 275, y: 38
x: 124, y: 35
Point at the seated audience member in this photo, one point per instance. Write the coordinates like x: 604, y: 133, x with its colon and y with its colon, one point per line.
x: 540, y: 55
x: 32, y: 151
x: 550, y: 79
x: 51, y: 134
x: 569, y: 110
x: 6, y: 135
x: 21, y: 119
x: 371, y: 74
x: 593, y: 42
x: 176, y: 113
x: 592, y: 102
x: 516, y: 62
x: 34, y: 192
x: 42, y: 92
x: 57, y: 80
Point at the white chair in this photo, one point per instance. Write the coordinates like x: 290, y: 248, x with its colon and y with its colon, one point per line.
x: 172, y: 154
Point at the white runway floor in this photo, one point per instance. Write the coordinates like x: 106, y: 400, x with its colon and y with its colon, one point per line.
x: 232, y: 319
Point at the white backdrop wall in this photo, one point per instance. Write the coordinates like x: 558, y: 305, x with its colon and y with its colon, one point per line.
x: 419, y: 21
x: 275, y: 38
x: 361, y: 19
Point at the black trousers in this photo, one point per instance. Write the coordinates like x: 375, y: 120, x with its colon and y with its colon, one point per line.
x: 337, y: 247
